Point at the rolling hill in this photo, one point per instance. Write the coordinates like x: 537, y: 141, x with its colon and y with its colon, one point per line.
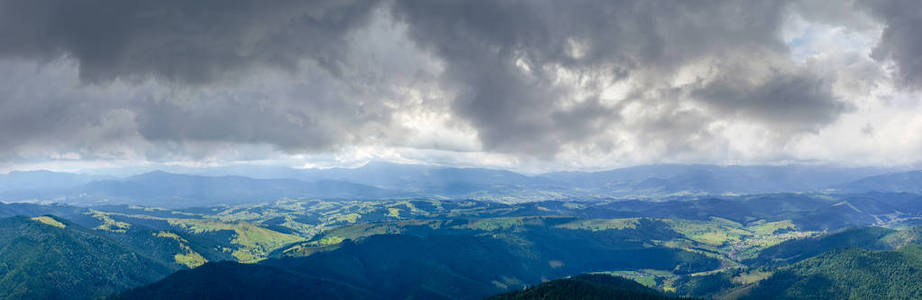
x: 230, y: 280
x: 50, y: 258
x: 848, y: 274
x: 461, y: 259
x: 871, y: 238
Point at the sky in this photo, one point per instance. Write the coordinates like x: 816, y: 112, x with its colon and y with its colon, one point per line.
x: 526, y: 85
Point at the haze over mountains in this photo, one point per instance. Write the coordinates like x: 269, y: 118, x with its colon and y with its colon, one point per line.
x: 379, y: 180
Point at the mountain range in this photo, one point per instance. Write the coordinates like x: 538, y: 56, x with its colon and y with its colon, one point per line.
x: 759, y: 244
x: 379, y: 180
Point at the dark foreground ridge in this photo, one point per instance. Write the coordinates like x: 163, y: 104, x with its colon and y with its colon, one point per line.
x: 230, y: 280
x: 49, y: 258
x: 587, y: 286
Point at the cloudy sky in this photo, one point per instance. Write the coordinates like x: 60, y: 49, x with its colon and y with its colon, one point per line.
x: 530, y: 85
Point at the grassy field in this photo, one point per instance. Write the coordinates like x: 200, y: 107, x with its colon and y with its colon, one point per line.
x: 250, y: 242
x: 49, y: 221
x: 601, y: 224
x: 188, y: 257
x: 303, y: 227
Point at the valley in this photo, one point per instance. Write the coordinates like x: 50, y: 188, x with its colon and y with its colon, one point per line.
x: 683, y: 245
x: 673, y: 246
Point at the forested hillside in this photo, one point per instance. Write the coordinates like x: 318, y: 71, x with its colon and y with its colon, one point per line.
x: 469, y: 260
x: 688, y: 246
x: 848, y: 274
x: 49, y: 258
x: 588, y: 287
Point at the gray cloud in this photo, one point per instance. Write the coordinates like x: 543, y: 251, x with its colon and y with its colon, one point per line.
x: 790, y: 102
x: 41, y: 112
x: 316, y: 113
x: 528, y: 76
x: 901, y: 40
x: 46, y: 110
x: 178, y: 40
x: 517, y: 111
x: 286, y: 74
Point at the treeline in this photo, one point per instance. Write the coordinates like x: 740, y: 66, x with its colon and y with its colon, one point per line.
x: 848, y: 274
x: 587, y: 286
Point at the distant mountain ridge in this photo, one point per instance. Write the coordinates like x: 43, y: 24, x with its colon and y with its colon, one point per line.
x: 712, y: 179
x: 164, y: 189
x: 42, y: 179
x: 904, y: 182
x: 378, y: 180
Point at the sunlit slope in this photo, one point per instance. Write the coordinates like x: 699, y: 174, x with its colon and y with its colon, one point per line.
x: 470, y: 259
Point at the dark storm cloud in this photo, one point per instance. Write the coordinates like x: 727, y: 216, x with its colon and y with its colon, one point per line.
x: 515, y: 108
x: 790, y: 102
x: 314, y: 115
x: 527, y: 75
x: 39, y: 112
x: 901, y: 40
x: 318, y: 101
x: 179, y: 40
